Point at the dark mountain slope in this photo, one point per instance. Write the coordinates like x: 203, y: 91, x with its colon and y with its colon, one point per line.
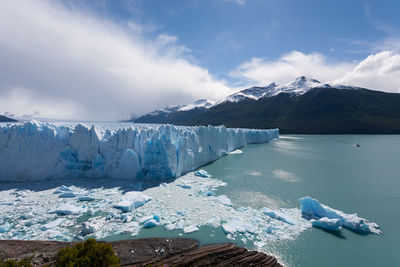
x: 6, y: 119
x: 318, y: 111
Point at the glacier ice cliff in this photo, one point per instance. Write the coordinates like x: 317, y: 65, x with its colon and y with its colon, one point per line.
x: 52, y: 150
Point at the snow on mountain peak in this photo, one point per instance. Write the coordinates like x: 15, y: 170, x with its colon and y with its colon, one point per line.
x: 299, y: 86
x: 202, y: 103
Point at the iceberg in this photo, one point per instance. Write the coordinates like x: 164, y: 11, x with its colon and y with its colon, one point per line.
x: 63, y: 150
x: 237, y: 225
x: 190, y: 229
x: 67, y: 195
x: 272, y: 214
x: 132, y: 200
x: 67, y: 209
x: 86, y: 198
x: 202, y: 173
x: 5, y: 227
x: 313, y: 209
x: 235, y: 152
x: 327, y: 224
x: 150, y: 221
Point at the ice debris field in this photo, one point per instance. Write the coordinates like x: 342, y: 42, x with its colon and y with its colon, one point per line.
x: 91, y: 210
x: 74, y: 209
x: 42, y: 150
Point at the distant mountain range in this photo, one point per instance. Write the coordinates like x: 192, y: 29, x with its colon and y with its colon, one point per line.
x: 302, y: 106
x: 6, y: 119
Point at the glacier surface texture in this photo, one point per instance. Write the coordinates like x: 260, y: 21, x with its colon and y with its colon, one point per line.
x: 43, y: 150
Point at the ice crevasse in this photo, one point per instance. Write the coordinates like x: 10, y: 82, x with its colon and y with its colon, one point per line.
x: 53, y: 150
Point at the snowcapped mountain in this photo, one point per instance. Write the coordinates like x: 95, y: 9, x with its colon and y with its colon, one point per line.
x: 199, y: 104
x: 299, y: 86
x: 6, y: 119
x: 202, y: 103
x: 302, y: 106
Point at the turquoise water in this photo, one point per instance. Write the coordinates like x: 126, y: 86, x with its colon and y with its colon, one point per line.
x: 330, y: 168
x: 365, y: 180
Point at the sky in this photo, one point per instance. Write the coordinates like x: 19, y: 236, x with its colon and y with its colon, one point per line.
x: 106, y: 60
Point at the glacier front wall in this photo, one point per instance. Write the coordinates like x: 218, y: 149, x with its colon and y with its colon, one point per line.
x: 41, y: 150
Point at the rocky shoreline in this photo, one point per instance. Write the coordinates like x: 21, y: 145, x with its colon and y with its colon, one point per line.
x: 147, y: 252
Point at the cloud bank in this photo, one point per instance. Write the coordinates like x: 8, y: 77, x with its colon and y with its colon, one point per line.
x: 380, y: 71
x: 60, y: 63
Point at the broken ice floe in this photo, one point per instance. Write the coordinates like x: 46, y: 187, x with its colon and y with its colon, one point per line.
x: 109, y: 211
x: 235, y: 152
x: 202, y: 173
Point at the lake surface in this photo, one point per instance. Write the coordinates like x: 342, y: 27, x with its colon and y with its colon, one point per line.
x: 365, y: 180
x: 329, y: 168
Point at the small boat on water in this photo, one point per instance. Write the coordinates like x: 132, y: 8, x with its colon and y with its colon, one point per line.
x: 356, y: 145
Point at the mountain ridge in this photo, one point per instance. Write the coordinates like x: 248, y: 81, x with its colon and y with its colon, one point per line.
x: 305, y: 106
x: 6, y: 119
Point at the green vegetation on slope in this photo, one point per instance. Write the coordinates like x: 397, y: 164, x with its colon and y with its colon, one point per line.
x: 87, y: 254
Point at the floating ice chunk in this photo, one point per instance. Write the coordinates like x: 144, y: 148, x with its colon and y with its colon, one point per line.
x: 67, y: 195
x: 151, y: 217
x: 190, y: 229
x: 92, y: 226
x: 235, y: 152
x: 67, y: 209
x: 313, y: 209
x: 157, y: 218
x: 86, y: 198
x: 52, y: 224
x: 125, y: 205
x: 238, y: 226
x: 224, y: 200
x: 132, y: 200
x: 327, y: 224
x: 26, y: 216
x: 213, y: 222
x: 270, y: 229
x: 169, y: 226
x: 184, y: 186
x: 126, y: 218
x: 150, y: 223
x: 275, y: 216
x: 63, y: 189
x: 202, y: 173
x: 5, y: 227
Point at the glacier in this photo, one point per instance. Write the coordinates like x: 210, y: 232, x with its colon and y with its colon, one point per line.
x: 55, y: 150
x: 327, y: 218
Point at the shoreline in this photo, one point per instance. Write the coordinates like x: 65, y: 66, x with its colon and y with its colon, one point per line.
x: 145, y: 252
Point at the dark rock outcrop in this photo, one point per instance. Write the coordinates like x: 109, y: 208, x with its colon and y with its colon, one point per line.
x: 147, y: 252
x: 6, y: 119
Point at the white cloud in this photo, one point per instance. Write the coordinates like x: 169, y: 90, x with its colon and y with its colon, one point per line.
x: 165, y: 39
x: 289, y: 67
x: 380, y: 71
x: 239, y: 2
x: 64, y: 64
